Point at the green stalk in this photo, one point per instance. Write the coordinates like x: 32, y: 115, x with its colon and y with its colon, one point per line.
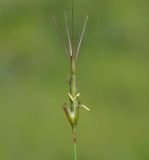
x: 74, y: 105
x: 75, y: 151
x: 74, y: 143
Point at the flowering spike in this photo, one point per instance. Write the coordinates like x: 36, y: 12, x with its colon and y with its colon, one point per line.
x: 72, y: 109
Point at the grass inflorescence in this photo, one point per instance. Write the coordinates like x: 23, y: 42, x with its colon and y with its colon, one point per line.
x: 72, y: 107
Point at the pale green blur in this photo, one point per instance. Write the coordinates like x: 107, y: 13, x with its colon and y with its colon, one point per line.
x: 113, y: 79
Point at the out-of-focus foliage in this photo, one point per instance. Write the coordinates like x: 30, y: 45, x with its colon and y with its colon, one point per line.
x: 113, y: 79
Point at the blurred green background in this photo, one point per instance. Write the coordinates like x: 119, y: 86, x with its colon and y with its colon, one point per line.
x: 113, y: 79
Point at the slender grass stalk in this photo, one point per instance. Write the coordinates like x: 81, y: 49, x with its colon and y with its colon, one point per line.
x: 72, y: 108
x: 75, y: 151
x: 74, y: 143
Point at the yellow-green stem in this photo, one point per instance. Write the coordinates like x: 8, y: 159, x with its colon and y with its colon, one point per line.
x: 75, y: 151
x: 74, y: 105
x: 74, y: 132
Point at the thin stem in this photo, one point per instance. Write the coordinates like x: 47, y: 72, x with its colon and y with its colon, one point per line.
x: 75, y: 151
x: 74, y: 130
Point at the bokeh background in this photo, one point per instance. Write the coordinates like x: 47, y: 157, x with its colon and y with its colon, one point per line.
x: 113, y: 79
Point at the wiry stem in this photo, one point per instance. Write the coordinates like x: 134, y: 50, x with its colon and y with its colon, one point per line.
x: 74, y: 143
x: 75, y: 151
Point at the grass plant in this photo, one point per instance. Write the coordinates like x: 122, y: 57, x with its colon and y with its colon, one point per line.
x: 72, y: 107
